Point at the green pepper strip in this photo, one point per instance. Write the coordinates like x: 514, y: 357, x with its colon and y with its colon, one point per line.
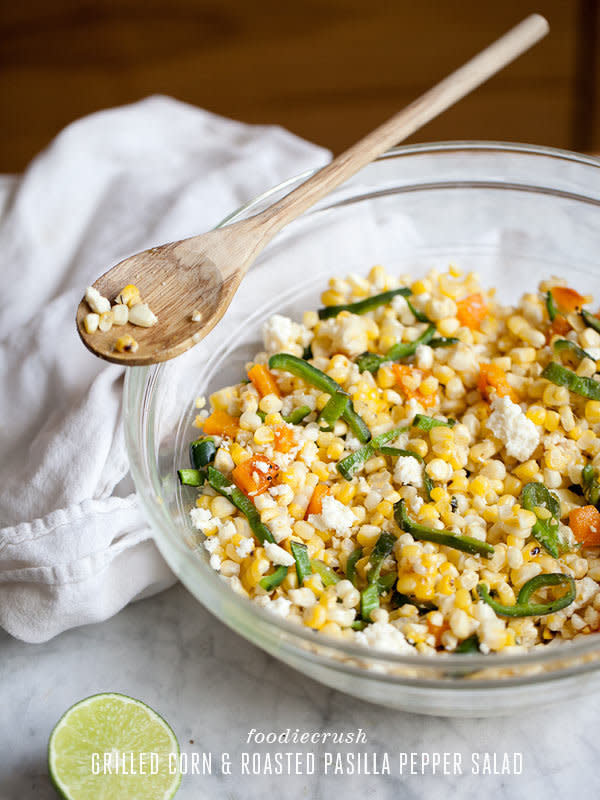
x: 302, y: 369
x: 425, y: 423
x: 333, y: 410
x: 270, y: 582
x: 561, y: 376
x: 328, y: 576
x: 370, y: 362
x: 418, y: 315
x: 224, y: 486
x: 202, y: 452
x: 296, y: 416
x: 354, y: 556
x: 564, y: 344
x: 191, y: 477
x: 303, y: 567
x: 590, y: 486
x: 590, y: 320
x: 551, y: 306
x: 349, y: 465
x: 443, y: 341
x: 523, y: 608
x: 396, y: 451
x: 362, y: 306
x: 369, y: 600
x: 358, y: 625
x: 420, y: 532
x: 535, y: 495
x: 468, y: 645
x: 383, y: 547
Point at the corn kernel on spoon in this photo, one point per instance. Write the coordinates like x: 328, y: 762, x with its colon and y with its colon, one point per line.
x: 186, y: 286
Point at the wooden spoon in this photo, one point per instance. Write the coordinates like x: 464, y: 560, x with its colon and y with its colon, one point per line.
x: 202, y: 273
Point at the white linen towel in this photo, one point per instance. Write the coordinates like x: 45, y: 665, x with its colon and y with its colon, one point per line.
x: 74, y: 546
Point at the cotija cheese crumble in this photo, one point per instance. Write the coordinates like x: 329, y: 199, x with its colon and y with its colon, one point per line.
x: 414, y: 467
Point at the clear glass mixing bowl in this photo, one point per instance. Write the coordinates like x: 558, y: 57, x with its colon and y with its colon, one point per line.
x: 515, y: 214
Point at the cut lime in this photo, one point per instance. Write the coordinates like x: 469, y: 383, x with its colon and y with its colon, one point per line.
x: 114, y: 747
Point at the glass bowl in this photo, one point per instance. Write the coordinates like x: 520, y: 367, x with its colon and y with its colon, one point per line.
x: 515, y: 214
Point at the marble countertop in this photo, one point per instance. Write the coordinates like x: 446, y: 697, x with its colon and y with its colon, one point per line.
x: 214, y: 687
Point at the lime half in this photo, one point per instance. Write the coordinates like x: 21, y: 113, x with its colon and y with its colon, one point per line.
x: 114, y: 747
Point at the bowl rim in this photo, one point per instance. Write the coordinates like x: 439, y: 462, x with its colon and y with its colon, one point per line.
x: 138, y: 378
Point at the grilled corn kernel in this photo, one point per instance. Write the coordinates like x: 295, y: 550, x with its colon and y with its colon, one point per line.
x: 536, y: 414
x: 129, y: 296
x: 552, y: 420
x: 126, y: 344
x: 90, y: 322
x: 105, y: 322
x: 592, y: 411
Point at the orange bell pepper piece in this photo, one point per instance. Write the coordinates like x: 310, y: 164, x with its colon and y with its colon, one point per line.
x: 285, y: 438
x: 585, y: 524
x: 406, y: 377
x: 263, y: 380
x: 220, y: 423
x: 255, y: 475
x: 491, y: 376
x: 316, y: 501
x: 472, y: 311
x: 567, y: 299
x: 559, y: 326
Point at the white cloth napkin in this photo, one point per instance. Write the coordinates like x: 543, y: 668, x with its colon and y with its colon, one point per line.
x: 74, y: 546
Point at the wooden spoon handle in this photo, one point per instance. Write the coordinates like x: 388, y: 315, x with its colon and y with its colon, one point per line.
x: 405, y: 122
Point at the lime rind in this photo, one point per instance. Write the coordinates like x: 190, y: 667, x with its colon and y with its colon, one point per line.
x: 111, y: 722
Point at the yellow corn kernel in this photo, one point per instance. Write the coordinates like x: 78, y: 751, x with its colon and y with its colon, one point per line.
x: 592, y: 411
x: 346, y: 493
x: 460, y: 483
x: 238, y: 454
x: 462, y: 599
x: 419, y: 446
x: 421, y: 287
x: 203, y: 501
x: 429, y: 560
x: 129, y: 295
x: 448, y: 326
x: 360, y: 513
x: 446, y: 585
x: 335, y: 450
x: 273, y: 419
x: 552, y: 421
x: 320, y: 470
x: 316, y: 616
x: 263, y: 435
x: 385, y: 508
x: 367, y: 538
x: 490, y: 513
x: 555, y: 395
x: 526, y: 472
x: 424, y: 587
x: 90, y: 322
x: 536, y: 414
x: 126, y: 344
x: 411, y: 551
x: 385, y: 377
x: 332, y: 298
x: 479, y: 485
x: 321, y: 401
x: 438, y: 494
x: 296, y: 511
x: 406, y: 583
x: 429, y: 386
x: 512, y: 486
x: 314, y: 583
x: 428, y: 512
x: 575, y: 433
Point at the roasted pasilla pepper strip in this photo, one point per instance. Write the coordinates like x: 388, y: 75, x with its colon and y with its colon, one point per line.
x: 349, y: 465
x: 302, y: 369
x: 590, y: 485
x: 420, y: 532
x: 303, y: 566
x: 221, y: 484
x: 523, y: 608
x: 561, y: 376
x: 333, y: 410
x: 296, y: 416
x: 535, y: 495
x: 370, y: 362
x: 270, y: 582
x: 590, y: 320
x: 362, y: 306
x: 425, y: 423
x: 561, y: 345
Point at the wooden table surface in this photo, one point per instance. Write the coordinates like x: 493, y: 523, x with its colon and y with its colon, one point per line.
x: 326, y: 69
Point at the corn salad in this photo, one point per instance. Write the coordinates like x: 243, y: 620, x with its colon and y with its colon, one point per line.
x: 500, y: 427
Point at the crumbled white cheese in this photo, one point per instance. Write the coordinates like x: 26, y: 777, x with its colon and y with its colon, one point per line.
x: 593, y: 353
x: 203, y: 520
x: 304, y: 597
x: 279, y: 606
x: 408, y: 472
x: 245, y: 547
x: 211, y: 543
x: 281, y: 334
x: 334, y: 516
x: 351, y: 442
x: 384, y: 636
x: 277, y: 555
x: 347, y: 334
x: 215, y: 562
x: 518, y: 433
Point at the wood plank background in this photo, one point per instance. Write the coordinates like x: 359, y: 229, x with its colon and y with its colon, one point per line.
x: 326, y: 69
